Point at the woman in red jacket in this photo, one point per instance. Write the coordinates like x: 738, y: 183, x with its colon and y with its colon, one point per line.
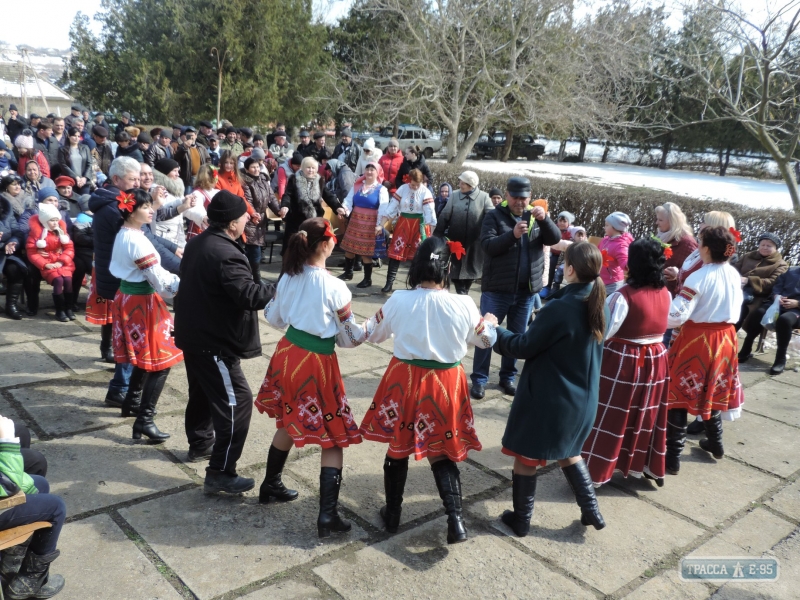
x: 50, y: 250
x: 390, y: 163
x: 228, y: 179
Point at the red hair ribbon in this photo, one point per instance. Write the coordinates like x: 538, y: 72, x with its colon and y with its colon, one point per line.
x: 606, y: 258
x: 667, y: 255
x: 126, y: 202
x: 729, y: 250
x: 736, y: 235
x: 456, y: 249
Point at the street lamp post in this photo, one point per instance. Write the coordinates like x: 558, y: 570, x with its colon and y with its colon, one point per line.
x: 219, y: 85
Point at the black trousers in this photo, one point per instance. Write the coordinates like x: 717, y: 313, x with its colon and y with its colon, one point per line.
x: 219, y: 408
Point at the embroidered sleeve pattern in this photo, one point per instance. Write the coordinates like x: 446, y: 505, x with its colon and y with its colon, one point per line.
x: 377, y: 328
x: 350, y: 334
x: 146, y: 262
x: 483, y: 335
x: 682, y: 307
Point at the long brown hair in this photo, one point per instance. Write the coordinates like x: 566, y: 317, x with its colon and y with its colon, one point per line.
x: 303, y: 244
x: 587, y: 261
x: 225, y: 157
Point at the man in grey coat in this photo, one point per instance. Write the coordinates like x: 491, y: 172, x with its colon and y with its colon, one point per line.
x: 461, y: 221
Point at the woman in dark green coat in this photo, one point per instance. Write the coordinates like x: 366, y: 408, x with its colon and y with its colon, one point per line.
x: 556, y: 400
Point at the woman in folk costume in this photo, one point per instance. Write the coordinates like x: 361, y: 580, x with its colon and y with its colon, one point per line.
x: 303, y: 388
x: 142, y: 325
x: 422, y: 404
x: 366, y: 205
x: 414, y: 204
x: 555, y: 403
x: 629, y: 433
x: 703, y: 363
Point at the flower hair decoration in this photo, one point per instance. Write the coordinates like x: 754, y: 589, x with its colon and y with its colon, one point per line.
x: 737, y: 235
x: 666, y: 248
x: 126, y: 202
x: 456, y: 249
x: 729, y: 250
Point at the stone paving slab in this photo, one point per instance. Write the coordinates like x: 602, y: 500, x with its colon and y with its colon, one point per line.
x: 637, y: 534
x: 26, y: 363
x: 193, y: 532
x: 41, y: 327
x: 490, y: 423
x: 99, y: 561
x: 99, y: 469
x: 80, y: 353
x: 668, y: 586
x: 752, y: 535
x: 65, y: 408
x: 420, y: 564
x: 290, y: 589
x: 720, y: 489
x: 763, y: 443
x: 774, y: 399
x: 787, y: 501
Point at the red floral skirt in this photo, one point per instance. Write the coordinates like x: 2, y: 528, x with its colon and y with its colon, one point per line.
x: 98, y: 309
x: 304, y: 392
x: 142, y: 333
x: 422, y: 411
x: 630, y: 429
x: 406, y: 238
x: 359, y: 238
x: 704, y: 369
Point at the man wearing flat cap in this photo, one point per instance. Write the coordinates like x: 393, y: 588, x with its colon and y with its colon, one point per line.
x: 347, y: 150
x: 306, y: 146
x: 205, y: 131
x: 15, y: 124
x: 216, y: 325
x: 231, y: 143
x: 75, y: 114
x: 513, y: 238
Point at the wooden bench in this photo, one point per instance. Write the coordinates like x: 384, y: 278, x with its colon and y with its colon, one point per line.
x: 17, y: 535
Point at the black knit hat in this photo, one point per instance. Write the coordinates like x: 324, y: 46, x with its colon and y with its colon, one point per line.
x: 771, y: 237
x: 319, y: 135
x: 225, y: 207
x: 144, y: 138
x: 166, y: 165
x: 297, y: 159
x: 495, y: 192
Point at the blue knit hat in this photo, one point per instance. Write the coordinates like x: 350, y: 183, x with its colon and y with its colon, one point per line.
x: 47, y: 192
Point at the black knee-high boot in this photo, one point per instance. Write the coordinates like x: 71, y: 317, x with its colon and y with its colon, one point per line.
x: 144, y: 425
x: 329, y: 521
x: 391, y: 274
x: 448, y: 481
x: 713, y: 427
x: 132, y: 403
x: 12, y: 298
x: 523, y: 495
x: 273, y: 484
x: 395, y: 471
x: 106, y: 353
x: 367, y: 281
x: 676, y: 439
x: 348, y: 269
x: 581, y: 483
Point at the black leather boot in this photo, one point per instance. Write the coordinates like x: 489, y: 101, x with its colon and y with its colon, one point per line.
x: 32, y: 295
x: 273, y: 484
x: 581, y: 483
x: 395, y: 471
x: 391, y: 274
x: 676, y: 439
x: 106, y: 353
x: 144, y: 424
x: 358, y: 264
x: 367, y: 281
x: 329, y: 521
x: 348, y: 269
x: 523, y: 494
x: 746, y: 351
x: 68, y: 306
x: 12, y: 561
x: 58, y: 300
x: 446, y: 474
x: 12, y: 298
x: 780, y: 362
x: 133, y: 401
x: 34, y: 579
x: 713, y: 443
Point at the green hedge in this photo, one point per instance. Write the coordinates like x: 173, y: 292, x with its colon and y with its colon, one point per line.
x: 591, y: 203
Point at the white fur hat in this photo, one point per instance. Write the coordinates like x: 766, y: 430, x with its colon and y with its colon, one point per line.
x: 46, y: 213
x: 369, y: 144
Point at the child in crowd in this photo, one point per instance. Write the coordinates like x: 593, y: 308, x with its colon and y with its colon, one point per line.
x: 50, y: 250
x: 614, y: 248
x: 441, y: 200
x: 204, y: 191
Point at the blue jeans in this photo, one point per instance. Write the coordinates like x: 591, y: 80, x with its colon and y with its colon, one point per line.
x: 122, y: 378
x: 43, y: 506
x: 253, y: 254
x: 517, y: 307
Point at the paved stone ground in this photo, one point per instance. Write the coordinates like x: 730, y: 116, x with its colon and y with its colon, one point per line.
x: 139, y: 525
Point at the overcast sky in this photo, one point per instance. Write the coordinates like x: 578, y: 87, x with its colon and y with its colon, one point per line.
x: 54, y: 17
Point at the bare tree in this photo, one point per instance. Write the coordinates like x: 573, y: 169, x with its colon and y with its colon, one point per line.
x: 748, y: 66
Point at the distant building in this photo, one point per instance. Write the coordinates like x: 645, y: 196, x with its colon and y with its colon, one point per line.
x: 18, y: 85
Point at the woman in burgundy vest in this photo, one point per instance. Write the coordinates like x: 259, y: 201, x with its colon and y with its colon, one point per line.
x: 629, y: 433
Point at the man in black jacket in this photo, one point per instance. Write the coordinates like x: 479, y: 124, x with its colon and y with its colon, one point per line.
x: 513, y: 239
x: 47, y: 144
x: 216, y: 325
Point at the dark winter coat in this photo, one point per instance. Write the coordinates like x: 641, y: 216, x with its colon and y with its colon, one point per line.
x: 462, y: 219
x: 408, y: 166
x: 503, y: 250
x: 15, y: 127
x: 105, y: 225
x: 258, y: 192
x: 165, y: 248
x: 156, y: 152
x: 300, y: 211
x: 788, y: 284
x: 132, y: 150
x: 556, y: 401
x: 9, y: 228
x: 65, y: 161
x: 351, y: 154
x: 49, y: 149
x: 761, y: 272
x: 215, y: 311
x: 184, y: 159
x: 103, y: 156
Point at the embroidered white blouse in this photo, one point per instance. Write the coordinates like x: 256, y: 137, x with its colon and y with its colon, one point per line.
x: 419, y: 201
x: 383, y: 200
x: 318, y: 303
x: 197, y: 213
x: 135, y: 259
x: 430, y: 324
x: 712, y: 294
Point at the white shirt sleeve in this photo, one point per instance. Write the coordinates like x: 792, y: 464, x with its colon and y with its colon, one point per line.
x: 347, y: 203
x: 196, y: 213
x: 378, y: 328
x: 272, y: 312
x: 393, y: 207
x: 682, y: 306
x: 429, y: 209
x: 483, y: 335
x: 618, y: 308
x: 383, y: 204
x: 146, y: 260
x: 350, y: 333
